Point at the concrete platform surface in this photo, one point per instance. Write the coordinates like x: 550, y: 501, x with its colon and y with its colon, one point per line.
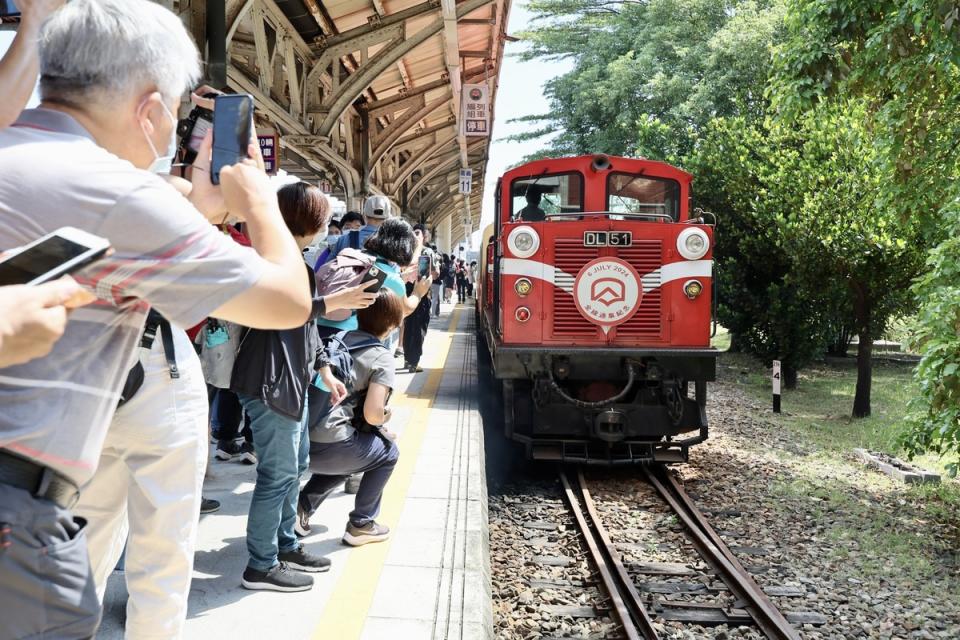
x: 430, y: 581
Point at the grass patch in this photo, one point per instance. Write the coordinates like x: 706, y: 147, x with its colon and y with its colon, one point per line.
x: 818, y: 411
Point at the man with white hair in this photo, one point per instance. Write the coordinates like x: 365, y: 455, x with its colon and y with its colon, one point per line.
x: 112, y: 73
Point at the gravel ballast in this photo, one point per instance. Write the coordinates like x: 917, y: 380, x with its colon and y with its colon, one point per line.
x: 868, y: 555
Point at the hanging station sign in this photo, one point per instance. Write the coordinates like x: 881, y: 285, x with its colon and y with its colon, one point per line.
x: 475, y: 110
x: 270, y: 148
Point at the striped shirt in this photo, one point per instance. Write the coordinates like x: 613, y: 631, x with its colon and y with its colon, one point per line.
x: 56, y: 409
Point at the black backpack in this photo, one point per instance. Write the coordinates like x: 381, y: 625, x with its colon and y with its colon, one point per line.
x: 340, y: 357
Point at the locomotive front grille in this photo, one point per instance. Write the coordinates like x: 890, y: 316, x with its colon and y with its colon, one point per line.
x: 570, y: 256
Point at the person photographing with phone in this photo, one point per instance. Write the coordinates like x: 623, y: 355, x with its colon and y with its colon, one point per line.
x: 417, y: 323
x: 82, y: 159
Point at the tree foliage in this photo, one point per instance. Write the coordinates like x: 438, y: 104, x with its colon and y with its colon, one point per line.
x: 902, y: 59
x: 650, y: 75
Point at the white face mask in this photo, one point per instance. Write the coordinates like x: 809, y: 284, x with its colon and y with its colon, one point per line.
x: 162, y: 164
x: 332, y: 241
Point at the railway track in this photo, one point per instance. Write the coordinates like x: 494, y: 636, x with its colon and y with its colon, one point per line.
x: 753, y: 606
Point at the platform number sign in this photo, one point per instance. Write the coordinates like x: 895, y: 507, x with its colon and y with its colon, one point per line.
x: 776, y: 386
x: 269, y: 147
x: 466, y: 181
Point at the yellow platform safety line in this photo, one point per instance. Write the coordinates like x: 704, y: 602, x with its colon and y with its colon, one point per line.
x: 346, y: 611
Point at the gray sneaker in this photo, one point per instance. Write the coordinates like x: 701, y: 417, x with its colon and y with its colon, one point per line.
x: 278, y: 578
x: 370, y: 532
x: 302, y: 560
x: 352, y: 484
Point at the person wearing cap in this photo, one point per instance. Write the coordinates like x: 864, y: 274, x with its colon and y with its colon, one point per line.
x: 376, y: 209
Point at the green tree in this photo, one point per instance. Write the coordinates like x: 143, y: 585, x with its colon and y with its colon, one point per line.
x: 650, y: 75
x: 899, y: 58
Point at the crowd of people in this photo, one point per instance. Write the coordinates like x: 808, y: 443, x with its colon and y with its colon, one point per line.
x: 236, y: 311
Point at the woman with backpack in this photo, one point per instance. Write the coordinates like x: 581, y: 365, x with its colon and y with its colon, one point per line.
x: 351, y: 438
x: 271, y: 376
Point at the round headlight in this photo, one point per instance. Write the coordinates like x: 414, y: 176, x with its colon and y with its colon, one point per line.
x: 523, y: 314
x: 523, y: 242
x: 693, y: 244
x: 523, y: 287
x: 692, y: 288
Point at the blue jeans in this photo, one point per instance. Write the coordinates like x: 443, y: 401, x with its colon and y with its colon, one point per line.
x: 332, y: 462
x: 283, y: 452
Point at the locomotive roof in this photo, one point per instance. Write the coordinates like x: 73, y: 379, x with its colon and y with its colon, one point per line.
x: 617, y: 163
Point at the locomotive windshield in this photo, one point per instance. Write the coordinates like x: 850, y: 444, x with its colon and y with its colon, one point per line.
x: 637, y: 194
x: 535, y: 198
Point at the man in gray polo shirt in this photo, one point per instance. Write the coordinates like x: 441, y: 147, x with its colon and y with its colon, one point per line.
x: 112, y: 73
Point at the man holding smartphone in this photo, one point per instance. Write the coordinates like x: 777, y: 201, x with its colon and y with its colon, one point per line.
x: 81, y: 160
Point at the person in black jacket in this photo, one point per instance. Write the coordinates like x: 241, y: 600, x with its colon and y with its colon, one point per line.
x: 272, y: 372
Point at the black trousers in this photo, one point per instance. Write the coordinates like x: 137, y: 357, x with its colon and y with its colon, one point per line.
x: 415, y: 330
x: 462, y: 289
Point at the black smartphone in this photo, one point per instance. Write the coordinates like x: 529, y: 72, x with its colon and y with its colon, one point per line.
x: 9, y: 9
x: 375, y: 276
x: 232, y: 131
x: 60, y: 253
x: 423, y: 267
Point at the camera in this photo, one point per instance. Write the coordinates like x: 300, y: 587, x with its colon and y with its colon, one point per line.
x: 192, y: 129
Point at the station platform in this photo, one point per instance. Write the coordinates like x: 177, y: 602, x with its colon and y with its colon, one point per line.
x: 429, y: 581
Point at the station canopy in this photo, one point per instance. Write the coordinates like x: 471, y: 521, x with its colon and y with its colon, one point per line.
x: 391, y: 97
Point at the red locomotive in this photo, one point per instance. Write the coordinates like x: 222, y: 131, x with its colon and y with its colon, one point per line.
x: 595, y: 310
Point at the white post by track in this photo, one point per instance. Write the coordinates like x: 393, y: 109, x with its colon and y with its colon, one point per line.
x: 776, y: 386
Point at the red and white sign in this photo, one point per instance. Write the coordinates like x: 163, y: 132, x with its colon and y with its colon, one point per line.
x: 475, y: 110
x: 608, y: 291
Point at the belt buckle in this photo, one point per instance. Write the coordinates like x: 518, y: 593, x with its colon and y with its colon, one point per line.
x: 43, y: 490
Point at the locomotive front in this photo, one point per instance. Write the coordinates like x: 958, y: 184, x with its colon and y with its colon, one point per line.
x: 597, y: 308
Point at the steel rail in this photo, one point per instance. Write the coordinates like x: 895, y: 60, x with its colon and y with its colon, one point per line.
x: 713, y: 549
x: 640, y: 616
x: 610, y: 583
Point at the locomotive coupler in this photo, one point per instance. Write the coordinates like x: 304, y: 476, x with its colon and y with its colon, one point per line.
x: 611, y: 425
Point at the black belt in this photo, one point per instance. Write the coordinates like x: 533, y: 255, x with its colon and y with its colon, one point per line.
x: 41, y: 482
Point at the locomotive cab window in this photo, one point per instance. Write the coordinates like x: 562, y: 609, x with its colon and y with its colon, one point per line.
x: 543, y: 197
x: 640, y: 196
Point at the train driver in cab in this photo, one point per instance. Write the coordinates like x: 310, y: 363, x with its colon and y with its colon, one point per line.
x: 532, y: 212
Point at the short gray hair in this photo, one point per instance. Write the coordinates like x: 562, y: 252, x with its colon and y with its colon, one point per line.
x: 114, y: 48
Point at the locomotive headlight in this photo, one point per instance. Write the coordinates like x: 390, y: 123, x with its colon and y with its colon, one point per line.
x: 523, y: 287
x: 523, y: 242
x: 692, y: 289
x: 693, y: 244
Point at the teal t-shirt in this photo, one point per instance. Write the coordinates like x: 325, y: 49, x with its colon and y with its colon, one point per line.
x: 393, y: 282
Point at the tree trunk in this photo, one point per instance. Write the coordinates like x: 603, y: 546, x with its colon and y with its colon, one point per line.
x: 861, y: 401
x: 789, y: 377
x: 863, y: 311
x: 734, y: 344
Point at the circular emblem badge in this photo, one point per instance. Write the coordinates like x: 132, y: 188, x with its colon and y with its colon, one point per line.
x: 608, y: 291
x: 475, y: 94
